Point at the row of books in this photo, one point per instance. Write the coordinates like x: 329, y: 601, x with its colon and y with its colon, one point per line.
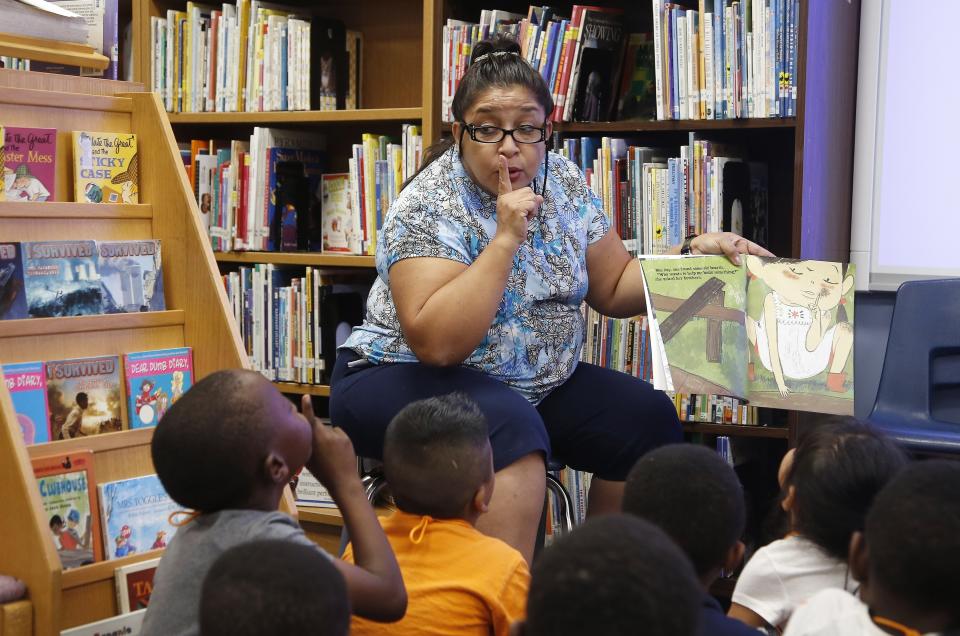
x: 714, y: 409
x: 728, y: 59
x: 654, y: 199
x: 271, y: 194
x: 621, y: 344
x: 252, y: 56
x: 105, y: 165
x: 580, y: 58
x: 48, y: 279
x: 79, y: 397
x: 92, y: 522
x: 289, y: 322
x: 14, y: 63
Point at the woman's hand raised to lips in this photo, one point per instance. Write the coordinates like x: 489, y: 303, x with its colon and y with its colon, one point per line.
x: 514, y: 207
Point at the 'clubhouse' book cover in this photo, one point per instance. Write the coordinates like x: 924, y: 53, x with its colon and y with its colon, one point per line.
x: 28, y: 389
x: 29, y: 163
x: 84, y: 396
x: 13, y: 296
x: 135, y: 515
x: 130, y: 276
x: 155, y: 380
x: 61, y: 278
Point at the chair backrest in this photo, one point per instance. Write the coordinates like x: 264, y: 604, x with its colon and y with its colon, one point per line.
x: 923, y: 351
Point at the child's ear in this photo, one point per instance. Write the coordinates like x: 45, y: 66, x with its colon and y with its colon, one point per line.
x: 790, y: 499
x: 734, y: 557
x: 754, y: 265
x: 481, y: 498
x: 276, y: 469
x: 858, y: 557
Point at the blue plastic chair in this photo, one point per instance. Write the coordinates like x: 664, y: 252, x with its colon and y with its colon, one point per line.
x: 921, y: 369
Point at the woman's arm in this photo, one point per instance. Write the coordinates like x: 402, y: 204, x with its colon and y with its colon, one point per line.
x: 616, y: 287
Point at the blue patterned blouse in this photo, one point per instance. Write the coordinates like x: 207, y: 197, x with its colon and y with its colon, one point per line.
x: 534, y: 342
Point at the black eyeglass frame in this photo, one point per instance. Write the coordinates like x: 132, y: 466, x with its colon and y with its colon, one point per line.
x: 543, y: 138
x: 472, y: 130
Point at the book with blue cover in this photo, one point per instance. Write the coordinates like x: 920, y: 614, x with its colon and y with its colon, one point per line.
x: 28, y: 388
x: 13, y: 297
x: 130, y: 276
x: 155, y: 380
x: 61, y: 278
x: 135, y: 516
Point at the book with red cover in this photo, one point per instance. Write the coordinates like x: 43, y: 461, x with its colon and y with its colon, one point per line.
x: 135, y: 584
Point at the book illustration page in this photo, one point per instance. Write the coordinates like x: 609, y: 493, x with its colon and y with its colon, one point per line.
x: 800, y: 328
x: 698, y: 307
x: 66, y: 502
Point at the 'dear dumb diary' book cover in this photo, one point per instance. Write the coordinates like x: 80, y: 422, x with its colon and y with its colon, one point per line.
x: 105, y: 167
x: 66, y: 489
x: 29, y: 163
x: 130, y: 276
x: 136, y: 515
x: 84, y: 396
x: 61, y: 278
x: 28, y: 389
x: 155, y: 380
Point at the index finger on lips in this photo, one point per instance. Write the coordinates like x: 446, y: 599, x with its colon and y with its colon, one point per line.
x: 504, y: 186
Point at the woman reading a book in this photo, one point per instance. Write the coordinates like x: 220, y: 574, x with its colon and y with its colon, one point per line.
x: 484, y: 261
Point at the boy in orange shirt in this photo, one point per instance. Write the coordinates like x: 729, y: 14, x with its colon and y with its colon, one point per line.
x: 439, y: 465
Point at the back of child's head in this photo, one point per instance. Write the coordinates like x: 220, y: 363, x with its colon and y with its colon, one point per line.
x: 436, y: 455
x: 274, y: 587
x: 614, y: 575
x: 209, y: 447
x: 838, y: 468
x: 913, y: 538
x: 694, y: 496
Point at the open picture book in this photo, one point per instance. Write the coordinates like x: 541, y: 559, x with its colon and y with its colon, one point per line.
x: 773, y: 331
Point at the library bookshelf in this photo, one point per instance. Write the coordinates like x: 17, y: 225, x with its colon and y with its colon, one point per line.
x: 196, y: 316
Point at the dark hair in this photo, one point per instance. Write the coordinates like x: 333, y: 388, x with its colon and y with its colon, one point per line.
x: 614, y: 575
x: 81, y: 396
x: 837, y: 470
x: 436, y: 454
x: 208, y: 449
x: 913, y: 536
x: 501, y: 66
x: 694, y: 496
x: 263, y: 588
x: 56, y: 520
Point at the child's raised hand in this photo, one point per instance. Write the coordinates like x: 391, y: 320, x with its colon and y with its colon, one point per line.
x: 332, y: 459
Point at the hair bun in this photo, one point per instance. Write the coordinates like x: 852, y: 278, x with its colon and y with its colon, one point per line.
x: 499, y: 44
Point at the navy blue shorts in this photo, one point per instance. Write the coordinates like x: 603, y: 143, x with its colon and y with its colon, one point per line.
x: 600, y: 421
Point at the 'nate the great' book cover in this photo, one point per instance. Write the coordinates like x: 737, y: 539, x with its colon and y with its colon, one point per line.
x: 105, y: 167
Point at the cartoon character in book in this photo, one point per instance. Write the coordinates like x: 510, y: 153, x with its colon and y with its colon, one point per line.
x: 163, y: 402
x: 86, y: 151
x: 146, y: 401
x: 176, y: 386
x: 328, y: 75
x: 22, y: 185
x: 71, y: 535
x: 799, y: 335
x: 72, y: 425
x: 160, y: 541
x: 127, y: 181
x: 124, y: 544
x: 56, y: 527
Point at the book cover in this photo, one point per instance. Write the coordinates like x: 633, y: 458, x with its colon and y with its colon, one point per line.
x: 637, y: 87
x: 84, y: 396
x: 293, y: 176
x: 125, y: 624
x: 66, y: 485
x: 29, y: 163
x: 27, y: 384
x: 13, y: 294
x: 105, y: 167
x: 598, y: 75
x: 131, y: 279
x: 135, y: 584
x: 135, y: 516
x: 330, y: 64
x: 61, y: 278
x: 776, y: 332
x: 155, y: 380
x: 311, y: 493
x: 340, y: 233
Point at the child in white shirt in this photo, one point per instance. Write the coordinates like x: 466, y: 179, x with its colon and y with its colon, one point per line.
x: 827, y: 485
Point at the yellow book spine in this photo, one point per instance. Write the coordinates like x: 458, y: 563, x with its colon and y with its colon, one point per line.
x: 371, y: 151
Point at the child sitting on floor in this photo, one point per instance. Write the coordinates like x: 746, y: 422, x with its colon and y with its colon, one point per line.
x: 439, y: 466
x: 274, y: 588
x: 907, y: 561
x: 827, y: 485
x: 227, y: 450
x: 694, y: 496
x: 615, y: 575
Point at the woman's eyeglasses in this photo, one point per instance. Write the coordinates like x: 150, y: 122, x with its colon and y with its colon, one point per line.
x: 492, y: 134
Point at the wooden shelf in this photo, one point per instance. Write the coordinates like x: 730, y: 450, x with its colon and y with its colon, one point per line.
x: 737, y: 430
x: 96, y: 443
x: 52, y: 51
x: 303, y: 389
x: 324, y: 516
x: 69, y: 210
x: 672, y: 125
x: 296, y: 258
x: 300, y: 116
x: 102, y: 571
x: 100, y: 322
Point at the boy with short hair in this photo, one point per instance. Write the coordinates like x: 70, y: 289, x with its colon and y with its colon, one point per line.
x: 695, y: 497
x: 227, y: 450
x: 615, y: 575
x: 439, y: 465
x: 274, y: 588
x: 907, y: 561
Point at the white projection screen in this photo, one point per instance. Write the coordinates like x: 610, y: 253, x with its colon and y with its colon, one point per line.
x: 906, y: 188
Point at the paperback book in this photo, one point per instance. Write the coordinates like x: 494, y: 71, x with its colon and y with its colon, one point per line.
x: 311, y: 493
x: 84, y: 396
x: 155, y: 380
x: 775, y: 332
x: 27, y: 385
x: 135, y: 516
x: 125, y: 624
x: 341, y: 233
x: 29, y: 163
x: 105, y: 167
x: 135, y: 584
x: 130, y: 276
x: 69, y: 504
x: 13, y: 295
x: 61, y: 278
